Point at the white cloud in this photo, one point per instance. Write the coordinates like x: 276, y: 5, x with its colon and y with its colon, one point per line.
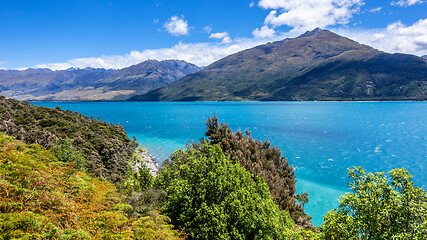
x: 304, y: 15
x: 396, y: 38
x: 374, y: 10
x: 155, y: 21
x: 264, y: 32
x: 1, y: 63
x: 251, y: 4
x: 201, y: 54
x: 207, y: 29
x: 221, y: 35
x: 405, y: 3
x: 177, y: 26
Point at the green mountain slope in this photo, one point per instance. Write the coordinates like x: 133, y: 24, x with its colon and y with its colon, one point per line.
x: 318, y: 65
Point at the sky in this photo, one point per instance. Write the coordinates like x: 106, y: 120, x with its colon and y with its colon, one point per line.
x: 59, y: 34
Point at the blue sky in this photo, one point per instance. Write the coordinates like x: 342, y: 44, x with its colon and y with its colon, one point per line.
x: 117, y: 33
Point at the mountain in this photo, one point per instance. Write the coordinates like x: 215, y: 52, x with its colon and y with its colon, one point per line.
x: 146, y: 76
x: 90, y: 83
x: 45, y: 84
x: 318, y: 65
x: 425, y: 56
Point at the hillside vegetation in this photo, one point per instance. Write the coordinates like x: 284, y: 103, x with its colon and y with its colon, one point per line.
x: 43, y: 198
x: 228, y: 186
x: 103, y: 149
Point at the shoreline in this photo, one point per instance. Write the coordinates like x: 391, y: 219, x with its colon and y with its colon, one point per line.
x: 149, y: 161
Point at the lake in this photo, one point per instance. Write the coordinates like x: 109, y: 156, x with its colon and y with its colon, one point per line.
x: 320, y: 139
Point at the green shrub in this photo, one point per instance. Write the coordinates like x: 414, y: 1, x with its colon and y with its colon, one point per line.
x: 379, y: 207
x: 213, y: 198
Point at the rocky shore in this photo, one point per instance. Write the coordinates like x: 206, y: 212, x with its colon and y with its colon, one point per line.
x: 149, y: 161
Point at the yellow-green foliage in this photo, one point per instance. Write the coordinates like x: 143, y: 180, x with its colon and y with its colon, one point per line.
x: 42, y: 198
x: 379, y: 207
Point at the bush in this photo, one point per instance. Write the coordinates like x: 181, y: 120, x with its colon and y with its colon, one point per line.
x: 213, y: 198
x: 379, y: 208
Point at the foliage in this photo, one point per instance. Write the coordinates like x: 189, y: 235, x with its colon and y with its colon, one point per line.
x: 42, y: 198
x: 379, y: 207
x: 143, y: 204
x: 107, y: 150
x: 155, y: 226
x: 137, y: 181
x: 263, y: 160
x: 213, y: 198
x: 65, y: 152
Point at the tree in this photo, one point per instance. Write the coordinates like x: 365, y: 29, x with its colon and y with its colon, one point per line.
x: 263, y: 160
x: 379, y: 208
x: 213, y: 198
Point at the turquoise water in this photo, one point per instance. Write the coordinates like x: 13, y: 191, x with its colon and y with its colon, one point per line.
x: 321, y: 139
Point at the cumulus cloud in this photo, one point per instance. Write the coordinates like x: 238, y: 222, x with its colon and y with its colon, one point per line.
x: 304, y: 15
x: 264, y: 32
x: 405, y: 3
x: 251, y: 4
x: 176, y: 26
x: 221, y: 35
x: 396, y: 38
x: 201, y: 54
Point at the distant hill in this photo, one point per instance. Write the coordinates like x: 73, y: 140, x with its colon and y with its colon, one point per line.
x: 318, y: 65
x: 45, y: 84
x: 425, y: 56
x: 146, y: 76
x: 90, y: 83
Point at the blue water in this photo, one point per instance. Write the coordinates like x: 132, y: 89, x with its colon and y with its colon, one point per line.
x: 321, y: 139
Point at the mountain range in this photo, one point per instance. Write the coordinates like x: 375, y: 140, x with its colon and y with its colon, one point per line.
x: 91, y: 84
x: 318, y: 65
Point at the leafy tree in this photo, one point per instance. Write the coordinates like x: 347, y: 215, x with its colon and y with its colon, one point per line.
x: 263, y: 160
x: 379, y: 207
x: 213, y: 198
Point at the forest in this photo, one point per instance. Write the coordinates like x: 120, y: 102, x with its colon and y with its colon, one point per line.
x: 64, y: 175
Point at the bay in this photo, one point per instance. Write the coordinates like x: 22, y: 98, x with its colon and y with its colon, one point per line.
x: 321, y: 139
